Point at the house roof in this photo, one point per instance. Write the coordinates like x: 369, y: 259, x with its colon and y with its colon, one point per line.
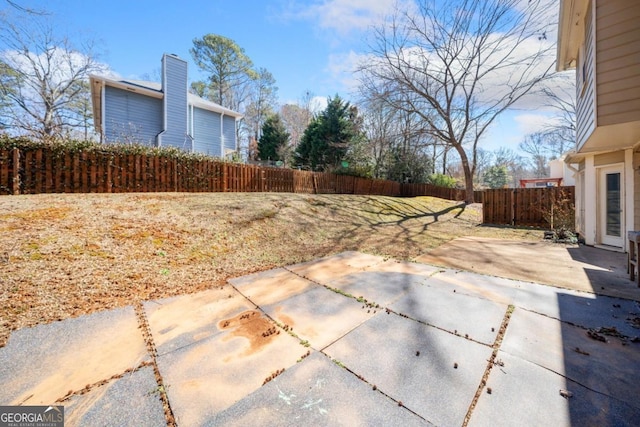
x: 152, y: 89
x: 570, y: 32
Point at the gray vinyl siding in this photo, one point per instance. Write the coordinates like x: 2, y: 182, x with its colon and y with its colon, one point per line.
x: 229, y: 129
x: 131, y: 117
x: 585, y: 84
x: 206, y: 132
x: 175, y: 99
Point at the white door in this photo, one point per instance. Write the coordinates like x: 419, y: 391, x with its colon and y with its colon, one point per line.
x: 611, y: 207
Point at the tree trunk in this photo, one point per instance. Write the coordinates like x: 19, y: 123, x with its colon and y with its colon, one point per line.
x: 468, y: 175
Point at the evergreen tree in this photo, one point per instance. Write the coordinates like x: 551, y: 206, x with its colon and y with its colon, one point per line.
x: 329, y: 137
x: 274, y: 140
x: 496, y: 177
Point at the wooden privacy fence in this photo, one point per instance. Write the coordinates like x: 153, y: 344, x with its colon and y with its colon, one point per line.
x: 37, y: 171
x: 525, y: 206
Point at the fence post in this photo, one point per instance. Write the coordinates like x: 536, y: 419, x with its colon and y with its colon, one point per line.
x: 16, y: 172
x: 513, y: 207
x: 224, y: 177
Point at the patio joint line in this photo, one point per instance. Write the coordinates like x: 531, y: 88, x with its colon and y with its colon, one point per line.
x: 361, y: 378
x: 454, y: 333
x: 490, y: 363
x: 100, y: 383
x: 373, y: 305
x: 153, y: 352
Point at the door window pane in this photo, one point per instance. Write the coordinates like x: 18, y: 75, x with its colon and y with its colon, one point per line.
x: 613, y: 204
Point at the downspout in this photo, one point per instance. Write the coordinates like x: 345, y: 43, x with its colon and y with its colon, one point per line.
x: 190, y: 127
x: 222, y: 135
x: 164, y: 103
x: 103, y: 107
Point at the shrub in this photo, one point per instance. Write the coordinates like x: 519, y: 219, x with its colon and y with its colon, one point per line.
x: 442, y: 180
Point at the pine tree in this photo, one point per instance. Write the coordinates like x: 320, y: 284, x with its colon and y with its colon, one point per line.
x: 329, y: 136
x: 274, y: 140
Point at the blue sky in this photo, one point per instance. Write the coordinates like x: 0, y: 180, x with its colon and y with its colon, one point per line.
x: 307, y: 45
x: 276, y: 35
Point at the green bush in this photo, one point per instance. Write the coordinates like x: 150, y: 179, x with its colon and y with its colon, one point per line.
x: 442, y: 180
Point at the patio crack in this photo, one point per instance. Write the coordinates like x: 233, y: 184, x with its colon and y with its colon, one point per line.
x: 153, y: 352
x: 492, y: 361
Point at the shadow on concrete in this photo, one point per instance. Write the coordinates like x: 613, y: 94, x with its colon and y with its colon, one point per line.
x: 576, y: 267
x: 601, y: 357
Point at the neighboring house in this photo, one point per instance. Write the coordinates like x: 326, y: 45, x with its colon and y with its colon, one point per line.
x: 540, y: 182
x: 162, y: 114
x: 601, y: 40
x: 559, y: 169
x: 560, y: 174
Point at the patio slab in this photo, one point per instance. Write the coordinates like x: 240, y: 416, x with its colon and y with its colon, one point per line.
x: 384, y: 282
x: 319, y: 316
x: 438, y: 383
x: 528, y: 394
x: 577, y: 267
x: 130, y: 400
x: 272, y: 286
x: 609, y: 368
x: 316, y: 391
x: 582, y: 308
x: 211, y: 374
x: 327, y: 269
x: 41, y: 364
x: 477, y: 318
x: 182, y: 321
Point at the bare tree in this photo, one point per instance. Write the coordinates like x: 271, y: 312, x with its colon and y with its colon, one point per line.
x: 537, y: 146
x: 19, y: 7
x: 459, y: 64
x: 296, y: 117
x: 42, y: 77
x: 262, y: 101
x: 561, y: 98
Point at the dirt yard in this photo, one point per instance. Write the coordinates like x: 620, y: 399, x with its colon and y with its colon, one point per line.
x: 63, y: 255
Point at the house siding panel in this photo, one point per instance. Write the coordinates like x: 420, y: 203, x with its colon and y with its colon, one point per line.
x: 585, y: 85
x: 229, y: 129
x: 131, y: 117
x: 608, y: 158
x: 618, y: 61
x: 175, y: 98
x: 206, y: 132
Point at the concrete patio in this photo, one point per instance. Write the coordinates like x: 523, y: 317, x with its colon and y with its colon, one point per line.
x: 351, y: 339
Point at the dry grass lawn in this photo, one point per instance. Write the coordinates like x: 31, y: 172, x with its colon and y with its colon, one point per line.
x: 63, y: 255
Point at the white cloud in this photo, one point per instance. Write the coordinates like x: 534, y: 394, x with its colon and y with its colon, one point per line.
x: 342, y: 68
x: 342, y: 16
x: 318, y: 104
x: 528, y: 123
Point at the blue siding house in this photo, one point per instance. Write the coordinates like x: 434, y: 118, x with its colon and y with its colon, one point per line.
x: 162, y: 114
